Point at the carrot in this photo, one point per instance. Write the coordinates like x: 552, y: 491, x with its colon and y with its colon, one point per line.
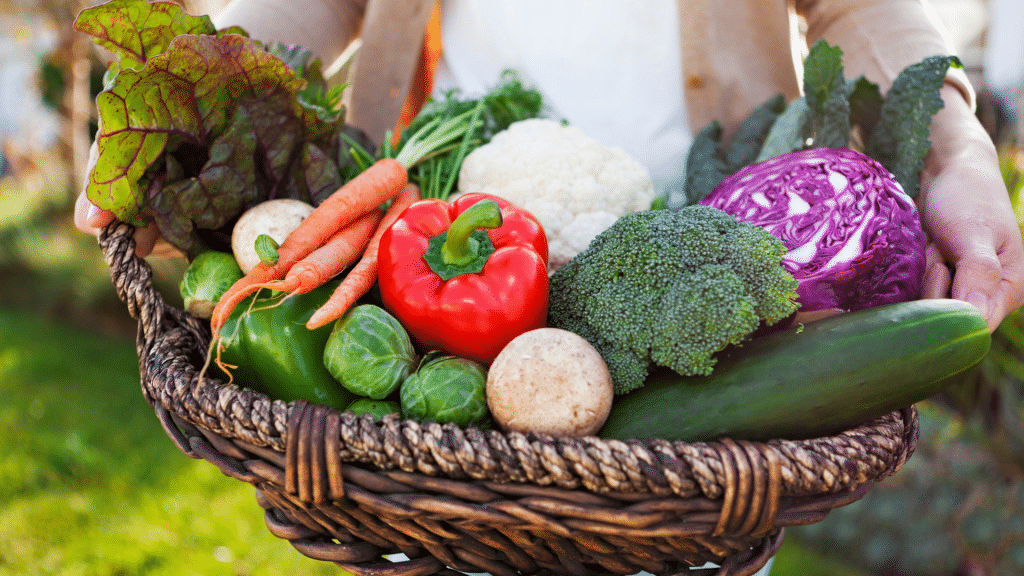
x: 329, y: 260
x: 360, y: 279
x: 240, y: 290
x: 383, y: 180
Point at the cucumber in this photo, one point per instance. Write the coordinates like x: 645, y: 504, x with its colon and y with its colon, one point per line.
x: 812, y: 380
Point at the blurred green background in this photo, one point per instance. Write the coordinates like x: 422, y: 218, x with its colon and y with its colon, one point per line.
x: 90, y: 485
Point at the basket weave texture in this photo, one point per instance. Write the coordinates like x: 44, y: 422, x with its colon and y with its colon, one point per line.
x: 346, y: 489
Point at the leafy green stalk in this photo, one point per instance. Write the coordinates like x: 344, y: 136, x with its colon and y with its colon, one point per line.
x: 900, y: 140
x: 827, y: 97
x: 835, y: 113
x: 509, y: 101
x: 752, y: 133
x: 705, y: 167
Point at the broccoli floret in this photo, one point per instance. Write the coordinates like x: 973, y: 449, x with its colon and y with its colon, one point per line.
x: 671, y: 288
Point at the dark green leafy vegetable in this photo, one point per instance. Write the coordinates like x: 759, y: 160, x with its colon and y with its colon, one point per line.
x: 710, y: 160
x: 834, y: 113
x: 752, y: 132
x: 827, y: 98
x: 705, y: 167
x: 865, y: 104
x: 900, y: 138
x: 509, y: 101
x: 787, y: 134
x: 196, y: 124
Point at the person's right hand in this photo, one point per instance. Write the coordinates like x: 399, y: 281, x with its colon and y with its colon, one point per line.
x: 90, y: 219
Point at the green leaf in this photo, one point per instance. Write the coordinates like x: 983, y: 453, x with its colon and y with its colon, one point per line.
x: 704, y: 165
x: 136, y: 30
x: 752, y: 132
x: 900, y: 140
x: 224, y: 186
x: 865, y: 104
x: 507, y: 102
x: 323, y: 102
x: 825, y: 89
x: 316, y: 173
x: 224, y: 101
x: 787, y: 133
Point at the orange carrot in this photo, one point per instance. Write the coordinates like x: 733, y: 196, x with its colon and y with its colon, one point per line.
x: 240, y: 290
x: 360, y: 279
x: 331, y: 259
x: 383, y: 180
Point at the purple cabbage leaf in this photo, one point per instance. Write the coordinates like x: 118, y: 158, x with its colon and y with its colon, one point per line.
x: 853, y: 236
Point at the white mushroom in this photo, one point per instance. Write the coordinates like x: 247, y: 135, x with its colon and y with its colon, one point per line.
x: 275, y: 218
x: 549, y: 381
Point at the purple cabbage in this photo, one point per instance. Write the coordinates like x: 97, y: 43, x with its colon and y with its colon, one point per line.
x: 854, y: 236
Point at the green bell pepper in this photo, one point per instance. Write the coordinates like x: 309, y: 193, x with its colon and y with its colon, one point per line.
x: 266, y: 346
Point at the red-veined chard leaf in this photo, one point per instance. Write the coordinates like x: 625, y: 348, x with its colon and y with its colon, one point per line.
x: 223, y: 97
x: 137, y: 30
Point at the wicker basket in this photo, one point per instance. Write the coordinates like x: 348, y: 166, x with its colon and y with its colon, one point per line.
x: 346, y: 489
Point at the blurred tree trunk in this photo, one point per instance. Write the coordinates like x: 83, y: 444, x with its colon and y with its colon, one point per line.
x: 79, y: 107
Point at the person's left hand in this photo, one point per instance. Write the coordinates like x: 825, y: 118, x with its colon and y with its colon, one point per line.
x: 91, y: 219
x: 974, y: 251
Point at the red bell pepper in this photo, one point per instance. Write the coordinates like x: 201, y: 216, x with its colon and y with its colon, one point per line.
x: 465, y: 277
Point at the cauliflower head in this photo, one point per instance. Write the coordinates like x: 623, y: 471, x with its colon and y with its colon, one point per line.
x: 574, y: 185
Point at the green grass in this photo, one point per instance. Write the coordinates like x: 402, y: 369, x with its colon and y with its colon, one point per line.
x: 90, y: 483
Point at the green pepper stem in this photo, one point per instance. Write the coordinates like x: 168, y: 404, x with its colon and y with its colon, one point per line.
x: 459, y: 248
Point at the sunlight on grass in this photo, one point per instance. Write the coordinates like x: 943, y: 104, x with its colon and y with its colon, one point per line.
x: 92, y: 486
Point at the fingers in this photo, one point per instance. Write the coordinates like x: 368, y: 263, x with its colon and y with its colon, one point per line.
x: 989, y: 270
x: 937, y: 276
x: 91, y: 219
x: 88, y: 217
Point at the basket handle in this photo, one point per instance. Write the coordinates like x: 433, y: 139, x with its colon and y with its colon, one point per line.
x: 313, y: 468
x: 132, y: 277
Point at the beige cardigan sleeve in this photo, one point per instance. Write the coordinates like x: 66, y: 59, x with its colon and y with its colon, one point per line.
x: 880, y: 38
x: 391, y: 32
x: 325, y: 27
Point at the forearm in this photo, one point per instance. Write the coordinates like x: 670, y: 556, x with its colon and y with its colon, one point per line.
x: 325, y: 27
x: 961, y: 147
x: 957, y: 136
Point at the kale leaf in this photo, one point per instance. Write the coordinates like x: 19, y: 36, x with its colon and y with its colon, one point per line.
x: 899, y: 140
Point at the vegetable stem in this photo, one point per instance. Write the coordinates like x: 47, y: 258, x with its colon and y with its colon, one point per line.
x: 434, y: 135
x: 459, y: 247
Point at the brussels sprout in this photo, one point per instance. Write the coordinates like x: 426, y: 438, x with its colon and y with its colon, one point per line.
x: 206, y: 279
x: 369, y: 352
x: 446, y: 389
x: 379, y: 408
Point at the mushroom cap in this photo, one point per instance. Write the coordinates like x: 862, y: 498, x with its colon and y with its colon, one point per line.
x: 550, y: 381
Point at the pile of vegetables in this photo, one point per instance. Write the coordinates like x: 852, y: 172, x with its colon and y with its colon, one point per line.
x: 490, y: 267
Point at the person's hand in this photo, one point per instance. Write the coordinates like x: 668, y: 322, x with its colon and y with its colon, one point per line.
x: 974, y: 251
x: 91, y: 219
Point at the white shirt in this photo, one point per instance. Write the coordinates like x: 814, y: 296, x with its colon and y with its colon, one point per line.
x: 611, y: 68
